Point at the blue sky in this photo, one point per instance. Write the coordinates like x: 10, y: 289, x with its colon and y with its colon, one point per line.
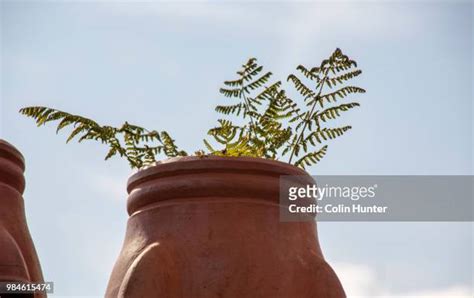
x: 160, y: 64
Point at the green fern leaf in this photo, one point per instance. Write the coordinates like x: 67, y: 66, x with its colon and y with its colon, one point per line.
x: 311, y: 158
x: 304, y: 90
x: 310, y: 74
x: 325, y: 134
x: 334, y: 112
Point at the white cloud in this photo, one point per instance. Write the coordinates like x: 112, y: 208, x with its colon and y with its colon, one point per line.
x: 358, y: 280
x: 455, y: 291
x: 361, y: 281
x: 299, y: 27
x: 372, y: 19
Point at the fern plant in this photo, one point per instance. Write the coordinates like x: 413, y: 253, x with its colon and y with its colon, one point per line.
x: 262, y: 121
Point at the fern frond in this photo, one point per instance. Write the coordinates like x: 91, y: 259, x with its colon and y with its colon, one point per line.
x: 342, y: 67
x: 169, y: 146
x: 310, y: 74
x: 75, y: 132
x: 250, y: 70
x: 334, y: 112
x: 332, y: 96
x: 226, y: 132
x: 250, y: 65
x: 311, y: 158
x: 242, y: 147
x: 244, y: 89
x: 112, y: 152
x: 325, y: 134
x: 338, y: 62
x: 267, y: 93
x: 281, y: 107
x: 87, y: 129
x: 149, y: 155
x: 258, y: 82
x: 344, y: 77
x: 237, y: 92
x: 232, y: 109
x: 234, y: 83
x: 304, y: 90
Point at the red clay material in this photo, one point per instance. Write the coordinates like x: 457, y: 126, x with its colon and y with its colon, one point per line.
x: 207, y: 227
x: 18, y: 259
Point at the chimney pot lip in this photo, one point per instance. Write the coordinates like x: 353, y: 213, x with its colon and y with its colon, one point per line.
x: 10, y: 152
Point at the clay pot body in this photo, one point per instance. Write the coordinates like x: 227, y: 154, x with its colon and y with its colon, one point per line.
x: 18, y: 259
x: 209, y: 227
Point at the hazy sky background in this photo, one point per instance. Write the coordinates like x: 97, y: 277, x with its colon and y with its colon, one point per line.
x: 160, y: 65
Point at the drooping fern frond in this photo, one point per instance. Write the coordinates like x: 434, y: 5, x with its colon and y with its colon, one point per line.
x: 130, y: 141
